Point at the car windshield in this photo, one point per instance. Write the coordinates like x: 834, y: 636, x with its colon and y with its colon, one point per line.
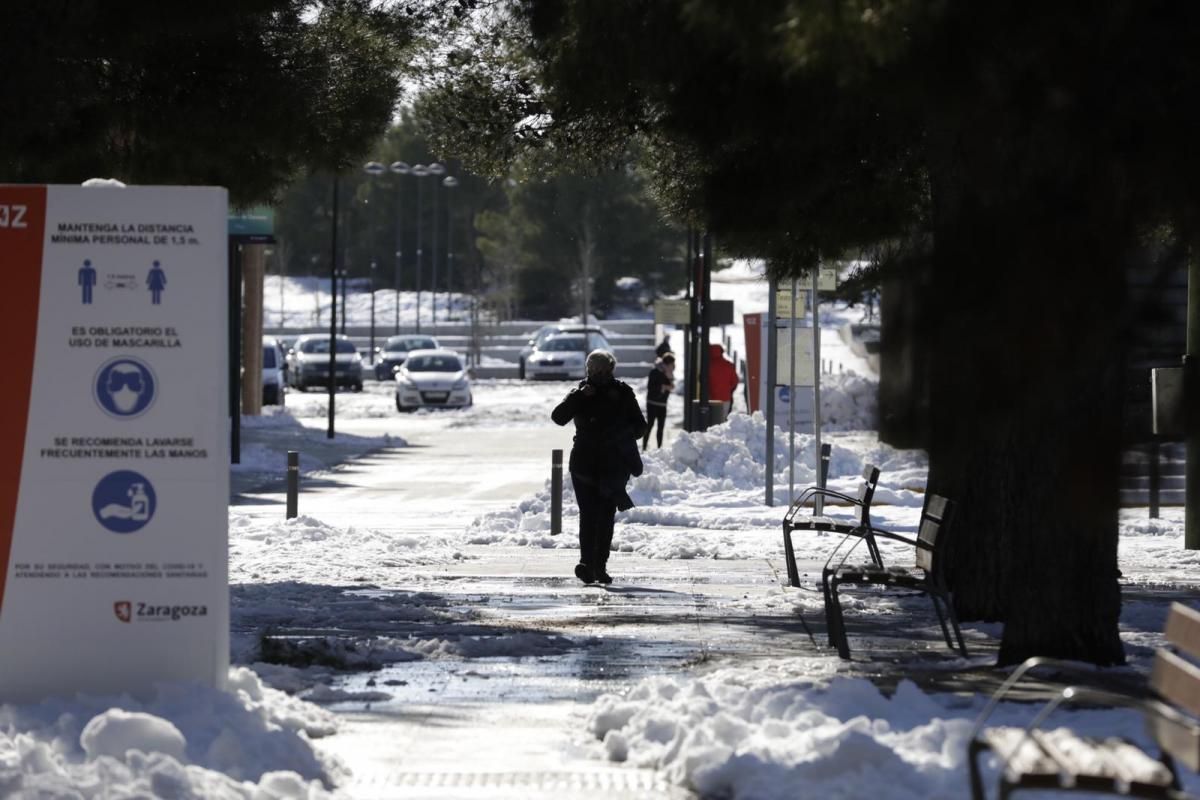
x: 575, y: 344
x: 434, y: 364
x: 322, y: 346
x: 544, y: 334
x: 406, y: 343
x: 268, y: 356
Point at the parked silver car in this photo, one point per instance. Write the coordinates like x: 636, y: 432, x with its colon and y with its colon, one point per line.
x: 432, y: 379
x: 539, y: 337
x: 564, y: 355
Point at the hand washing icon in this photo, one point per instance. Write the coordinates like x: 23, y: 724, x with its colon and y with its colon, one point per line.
x: 123, y: 501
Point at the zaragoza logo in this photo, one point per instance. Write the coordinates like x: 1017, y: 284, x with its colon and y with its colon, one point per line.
x: 124, y: 610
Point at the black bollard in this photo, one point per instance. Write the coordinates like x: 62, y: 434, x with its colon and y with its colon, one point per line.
x: 822, y: 478
x: 1155, y: 478
x: 293, y: 483
x: 556, y: 490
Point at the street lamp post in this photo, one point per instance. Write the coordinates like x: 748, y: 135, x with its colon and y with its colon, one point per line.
x: 345, y: 275
x: 399, y: 169
x: 333, y: 253
x: 374, y: 169
x: 436, y: 170
x: 371, y: 347
x: 420, y: 171
x: 450, y: 182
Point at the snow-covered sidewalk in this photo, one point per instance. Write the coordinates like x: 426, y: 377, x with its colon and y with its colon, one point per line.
x: 418, y: 632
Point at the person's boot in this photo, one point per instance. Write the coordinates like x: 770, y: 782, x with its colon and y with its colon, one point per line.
x: 602, y: 576
x: 584, y: 573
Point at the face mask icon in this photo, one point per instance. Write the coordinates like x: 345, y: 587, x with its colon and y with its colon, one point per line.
x: 125, y: 387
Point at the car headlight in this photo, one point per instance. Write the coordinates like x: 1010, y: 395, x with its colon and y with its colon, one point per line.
x: 461, y: 383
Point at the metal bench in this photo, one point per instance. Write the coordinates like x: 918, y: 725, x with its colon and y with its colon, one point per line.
x: 924, y: 577
x: 1061, y: 760
x: 813, y: 499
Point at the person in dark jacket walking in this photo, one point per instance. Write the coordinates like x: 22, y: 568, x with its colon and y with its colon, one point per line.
x: 608, y: 423
x: 658, y: 388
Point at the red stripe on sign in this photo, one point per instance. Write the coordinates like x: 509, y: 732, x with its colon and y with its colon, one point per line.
x: 22, y: 225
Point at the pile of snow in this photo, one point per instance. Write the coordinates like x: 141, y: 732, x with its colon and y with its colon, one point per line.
x: 185, y: 740
x: 849, y: 402
x: 786, y: 729
x: 308, y: 550
x: 267, y: 438
x: 699, y: 497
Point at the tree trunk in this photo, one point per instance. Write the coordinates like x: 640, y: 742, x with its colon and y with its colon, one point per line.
x: 1026, y: 410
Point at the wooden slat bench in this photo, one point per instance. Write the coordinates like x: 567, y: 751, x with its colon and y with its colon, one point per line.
x: 924, y: 577
x: 1034, y: 757
x: 806, y: 513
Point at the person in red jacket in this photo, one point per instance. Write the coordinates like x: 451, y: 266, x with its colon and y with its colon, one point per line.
x: 722, y: 380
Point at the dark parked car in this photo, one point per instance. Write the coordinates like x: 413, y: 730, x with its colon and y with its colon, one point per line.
x: 308, y: 363
x: 396, y: 349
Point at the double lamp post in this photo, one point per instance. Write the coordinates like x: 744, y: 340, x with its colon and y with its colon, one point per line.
x: 375, y: 169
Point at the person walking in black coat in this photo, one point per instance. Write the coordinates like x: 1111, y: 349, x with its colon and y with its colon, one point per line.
x: 658, y: 388
x: 608, y: 423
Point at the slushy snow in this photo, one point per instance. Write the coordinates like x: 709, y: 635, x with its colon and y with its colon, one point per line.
x: 780, y: 727
x: 249, y: 742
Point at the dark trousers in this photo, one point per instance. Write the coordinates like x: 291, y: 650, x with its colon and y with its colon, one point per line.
x: 596, y: 513
x: 654, y: 414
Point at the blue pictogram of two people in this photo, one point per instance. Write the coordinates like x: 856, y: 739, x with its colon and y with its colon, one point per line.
x: 156, y: 282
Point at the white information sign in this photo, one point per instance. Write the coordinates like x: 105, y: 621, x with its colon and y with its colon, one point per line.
x: 115, y: 478
x: 827, y: 278
x: 672, y: 312
x: 783, y: 304
x: 804, y: 356
x: 803, y: 395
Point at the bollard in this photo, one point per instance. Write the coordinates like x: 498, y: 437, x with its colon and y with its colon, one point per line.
x: 822, y: 478
x: 556, y: 490
x: 1155, y: 479
x: 293, y: 483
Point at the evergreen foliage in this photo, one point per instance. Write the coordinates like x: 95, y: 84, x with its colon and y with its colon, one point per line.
x: 1012, y: 156
x: 236, y: 93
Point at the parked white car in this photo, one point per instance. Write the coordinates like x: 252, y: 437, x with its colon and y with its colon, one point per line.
x: 432, y: 379
x: 564, y: 355
x: 273, y: 372
x: 539, y: 337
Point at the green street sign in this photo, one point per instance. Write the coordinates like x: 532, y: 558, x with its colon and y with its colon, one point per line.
x: 254, y: 224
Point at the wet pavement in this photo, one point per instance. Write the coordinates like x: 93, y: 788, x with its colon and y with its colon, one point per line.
x: 496, y: 704
x: 516, y: 725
